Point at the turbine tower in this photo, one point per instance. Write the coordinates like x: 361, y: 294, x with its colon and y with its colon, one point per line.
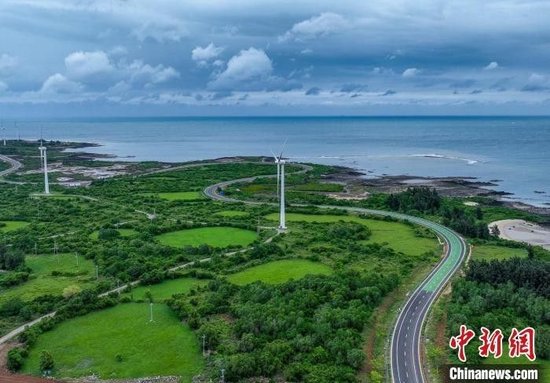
x: 281, y: 187
x: 282, y: 218
x: 44, y: 158
x: 3, y: 129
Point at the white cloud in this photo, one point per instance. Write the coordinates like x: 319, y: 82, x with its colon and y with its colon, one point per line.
x: 249, y: 65
x: 491, y: 66
x: 160, y: 31
x: 3, y: 87
x: 140, y: 73
x: 7, y: 63
x: 537, y: 82
x: 58, y: 83
x: 118, y: 50
x: 81, y: 65
x: 410, y: 72
x: 96, y: 70
x: 324, y: 24
x: 203, y: 55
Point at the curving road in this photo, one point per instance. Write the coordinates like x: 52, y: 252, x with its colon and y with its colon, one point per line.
x: 14, y: 165
x: 406, y: 351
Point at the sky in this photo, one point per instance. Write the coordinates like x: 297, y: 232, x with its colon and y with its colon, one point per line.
x: 249, y: 57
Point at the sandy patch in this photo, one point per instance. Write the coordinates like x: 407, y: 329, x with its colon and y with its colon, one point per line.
x: 471, y: 203
x: 523, y: 231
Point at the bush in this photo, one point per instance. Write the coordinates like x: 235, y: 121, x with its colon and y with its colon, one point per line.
x: 107, y: 234
x: 11, y: 259
x: 71, y: 290
x: 12, y: 307
x: 16, y: 357
x: 46, y: 361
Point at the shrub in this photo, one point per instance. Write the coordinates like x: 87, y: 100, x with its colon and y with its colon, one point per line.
x: 46, y: 361
x: 16, y: 357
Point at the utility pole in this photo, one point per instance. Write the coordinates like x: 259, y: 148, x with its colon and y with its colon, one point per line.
x: 151, y: 311
x: 203, y: 344
x: 96, y: 272
x: 76, y: 256
x: 223, y: 376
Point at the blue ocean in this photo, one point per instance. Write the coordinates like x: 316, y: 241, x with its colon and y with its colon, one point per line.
x: 513, y: 151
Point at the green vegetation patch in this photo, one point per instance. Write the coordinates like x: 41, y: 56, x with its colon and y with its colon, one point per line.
x: 167, y: 288
x: 12, y: 225
x: 51, y: 274
x: 232, y: 213
x: 213, y: 236
x: 490, y: 252
x: 182, y: 196
x: 279, y: 271
x: 123, y: 233
x: 399, y: 236
x: 127, y: 232
x: 120, y: 342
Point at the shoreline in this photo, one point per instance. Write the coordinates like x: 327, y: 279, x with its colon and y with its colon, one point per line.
x: 520, y: 230
x: 449, y: 186
x: 460, y: 187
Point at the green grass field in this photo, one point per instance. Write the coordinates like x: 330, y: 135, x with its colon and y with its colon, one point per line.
x: 127, y: 232
x: 232, y: 213
x: 490, y: 252
x: 398, y: 236
x: 167, y: 288
x: 90, y: 344
x: 182, y: 196
x: 42, y: 281
x: 212, y: 236
x: 279, y: 271
x: 54, y: 195
x: 12, y: 225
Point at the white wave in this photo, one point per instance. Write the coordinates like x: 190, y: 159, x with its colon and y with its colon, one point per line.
x: 445, y: 157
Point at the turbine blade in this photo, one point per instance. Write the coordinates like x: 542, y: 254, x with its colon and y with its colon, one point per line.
x: 283, y: 148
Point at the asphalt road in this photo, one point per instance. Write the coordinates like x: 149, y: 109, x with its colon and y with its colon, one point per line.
x: 406, y: 355
x: 14, y: 165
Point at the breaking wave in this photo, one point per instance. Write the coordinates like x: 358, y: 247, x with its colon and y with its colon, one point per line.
x: 445, y: 157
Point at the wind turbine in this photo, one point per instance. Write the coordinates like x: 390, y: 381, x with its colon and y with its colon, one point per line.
x: 281, y: 187
x: 3, y: 129
x: 44, y: 158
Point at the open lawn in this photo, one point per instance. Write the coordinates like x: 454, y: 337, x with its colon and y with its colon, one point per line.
x: 279, y: 271
x: 167, y: 288
x: 232, y: 213
x: 12, y: 225
x: 212, y: 236
x: 490, y: 252
x: 397, y: 235
x: 120, y: 342
x: 41, y: 280
x: 127, y: 232
x: 182, y: 196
